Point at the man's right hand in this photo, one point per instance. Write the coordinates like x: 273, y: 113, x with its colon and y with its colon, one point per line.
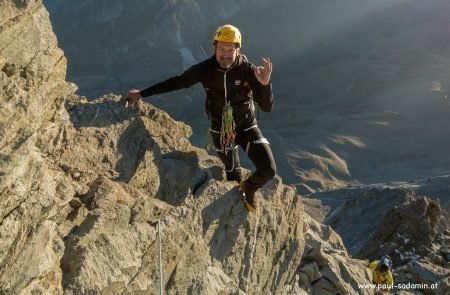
x: 133, y: 98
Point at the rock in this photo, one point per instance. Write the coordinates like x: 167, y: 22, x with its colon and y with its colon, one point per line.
x: 404, y: 225
x: 424, y: 272
x: 36, y: 268
x: 312, y: 272
x: 324, y: 287
x: 443, y: 286
x: 339, y: 273
x: 32, y: 77
x: 404, y: 230
x: 445, y: 253
x: 266, y: 233
x: 404, y: 292
x: 421, y: 277
x: 247, y: 262
x: 356, y: 213
x: 34, y: 194
x: 303, y: 281
x: 2, y: 62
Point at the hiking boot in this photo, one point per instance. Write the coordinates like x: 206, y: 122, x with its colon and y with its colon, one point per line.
x: 248, y: 196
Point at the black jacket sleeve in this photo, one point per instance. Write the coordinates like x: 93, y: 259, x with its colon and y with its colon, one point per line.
x: 188, y: 78
x: 261, y: 94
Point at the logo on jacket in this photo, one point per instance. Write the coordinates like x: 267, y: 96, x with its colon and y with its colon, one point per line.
x: 237, y: 82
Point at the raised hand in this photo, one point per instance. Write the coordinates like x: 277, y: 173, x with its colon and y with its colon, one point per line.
x: 263, y: 72
x: 132, y: 98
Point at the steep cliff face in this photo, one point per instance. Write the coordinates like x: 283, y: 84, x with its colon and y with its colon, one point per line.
x: 82, y: 185
x: 32, y: 90
x: 205, y: 234
x: 33, y: 194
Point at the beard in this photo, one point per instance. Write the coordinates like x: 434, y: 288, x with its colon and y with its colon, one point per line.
x: 225, y: 63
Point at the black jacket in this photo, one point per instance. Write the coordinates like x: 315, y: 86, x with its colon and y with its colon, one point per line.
x: 238, y: 85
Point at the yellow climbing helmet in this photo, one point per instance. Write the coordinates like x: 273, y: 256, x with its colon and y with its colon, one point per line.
x: 228, y: 33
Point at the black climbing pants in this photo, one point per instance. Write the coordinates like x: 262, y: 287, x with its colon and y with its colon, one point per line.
x: 258, y: 150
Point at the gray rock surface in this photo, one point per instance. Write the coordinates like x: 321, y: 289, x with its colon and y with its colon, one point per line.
x: 33, y: 193
x: 405, y: 231
x: 326, y: 267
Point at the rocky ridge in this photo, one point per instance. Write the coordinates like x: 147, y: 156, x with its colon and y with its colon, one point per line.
x: 407, y: 221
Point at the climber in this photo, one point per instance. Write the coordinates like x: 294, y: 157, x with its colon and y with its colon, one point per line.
x: 382, y: 275
x: 232, y: 85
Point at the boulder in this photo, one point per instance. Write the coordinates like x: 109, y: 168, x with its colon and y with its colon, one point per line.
x: 427, y: 273
x: 326, y: 267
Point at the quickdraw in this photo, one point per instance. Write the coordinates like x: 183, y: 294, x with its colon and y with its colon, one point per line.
x: 227, y: 135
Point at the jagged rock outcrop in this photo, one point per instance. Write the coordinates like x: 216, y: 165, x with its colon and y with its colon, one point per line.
x: 239, y: 252
x: 32, y: 74
x: 412, y: 234
x: 403, y: 230
x: 326, y: 267
x: 82, y: 185
x: 356, y: 213
x: 395, y: 220
x: 32, y: 194
x: 212, y: 221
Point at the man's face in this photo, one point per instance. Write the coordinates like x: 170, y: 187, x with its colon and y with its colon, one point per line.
x: 226, y: 53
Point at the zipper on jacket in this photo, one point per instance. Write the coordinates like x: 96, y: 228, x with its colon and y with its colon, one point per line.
x: 225, y: 81
x: 225, y: 85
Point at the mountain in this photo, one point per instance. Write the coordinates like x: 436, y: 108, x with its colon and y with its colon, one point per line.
x: 353, y: 80
x: 83, y: 184
x: 90, y: 190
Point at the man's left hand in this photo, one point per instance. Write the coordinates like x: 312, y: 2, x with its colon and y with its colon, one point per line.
x: 133, y: 98
x: 263, y: 72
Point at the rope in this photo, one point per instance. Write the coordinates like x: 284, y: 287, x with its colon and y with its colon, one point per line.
x: 255, y: 232
x: 160, y: 260
x: 208, y: 136
x: 227, y: 135
x: 227, y: 131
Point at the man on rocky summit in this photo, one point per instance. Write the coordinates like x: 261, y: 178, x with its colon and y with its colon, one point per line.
x: 232, y: 85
